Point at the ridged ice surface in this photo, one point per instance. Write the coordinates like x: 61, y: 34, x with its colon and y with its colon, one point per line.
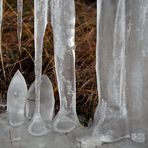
x: 63, y: 25
x: 16, y: 97
x: 19, y: 21
x: 47, y: 100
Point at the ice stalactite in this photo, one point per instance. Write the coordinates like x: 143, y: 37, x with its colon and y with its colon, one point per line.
x: 19, y: 21
x: 1, y: 19
x: 63, y: 24
x: 111, y: 69
x: 38, y: 126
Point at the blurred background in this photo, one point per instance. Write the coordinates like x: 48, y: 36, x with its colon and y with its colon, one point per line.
x: 85, y: 38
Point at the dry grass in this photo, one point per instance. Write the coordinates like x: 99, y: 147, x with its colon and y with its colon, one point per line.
x: 85, y: 53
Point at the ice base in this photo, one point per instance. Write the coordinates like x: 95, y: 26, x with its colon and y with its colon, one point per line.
x: 18, y: 137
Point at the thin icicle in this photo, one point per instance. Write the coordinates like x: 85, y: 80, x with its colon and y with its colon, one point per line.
x: 37, y: 126
x: 19, y: 21
x: 1, y: 54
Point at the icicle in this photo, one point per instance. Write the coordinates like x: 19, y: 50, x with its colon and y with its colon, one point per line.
x: 19, y: 21
x: 1, y: 54
x: 47, y: 100
x: 16, y: 97
x: 63, y: 24
x: 38, y: 126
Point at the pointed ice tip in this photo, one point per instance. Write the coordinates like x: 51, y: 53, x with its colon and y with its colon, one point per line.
x: 18, y: 73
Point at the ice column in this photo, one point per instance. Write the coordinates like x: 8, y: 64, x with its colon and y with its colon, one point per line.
x: 38, y: 126
x: 110, y: 66
x: 19, y: 21
x: 63, y: 24
x: 137, y: 70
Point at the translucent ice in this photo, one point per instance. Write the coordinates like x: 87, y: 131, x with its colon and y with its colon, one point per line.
x: 1, y: 18
x: 137, y: 70
x: 63, y: 24
x: 110, y: 66
x: 16, y: 97
x: 19, y: 21
x: 47, y: 100
x: 38, y: 126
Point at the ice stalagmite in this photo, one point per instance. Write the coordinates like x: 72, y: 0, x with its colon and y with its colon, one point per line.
x: 47, y: 100
x: 136, y: 67
x: 110, y: 66
x: 63, y: 24
x: 19, y: 21
x: 38, y: 126
x: 16, y: 97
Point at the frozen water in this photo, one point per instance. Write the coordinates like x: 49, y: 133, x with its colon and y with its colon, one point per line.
x: 63, y: 24
x: 19, y: 21
x: 47, y: 100
x: 38, y: 126
x: 16, y: 97
x: 112, y: 120
x: 137, y: 70
x: 120, y: 72
x: 1, y: 54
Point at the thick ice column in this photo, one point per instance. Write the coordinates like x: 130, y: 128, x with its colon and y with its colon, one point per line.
x: 37, y: 126
x: 110, y: 66
x: 63, y: 24
x: 137, y: 70
x: 19, y: 21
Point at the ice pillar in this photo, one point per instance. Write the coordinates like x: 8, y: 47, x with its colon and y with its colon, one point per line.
x: 63, y: 24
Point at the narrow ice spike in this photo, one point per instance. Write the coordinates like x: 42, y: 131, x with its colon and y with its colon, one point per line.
x: 16, y: 97
x: 47, y: 100
x: 1, y: 54
x: 63, y: 24
x: 38, y: 126
x: 19, y: 21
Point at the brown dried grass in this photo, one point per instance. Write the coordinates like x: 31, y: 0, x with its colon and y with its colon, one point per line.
x: 24, y: 60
